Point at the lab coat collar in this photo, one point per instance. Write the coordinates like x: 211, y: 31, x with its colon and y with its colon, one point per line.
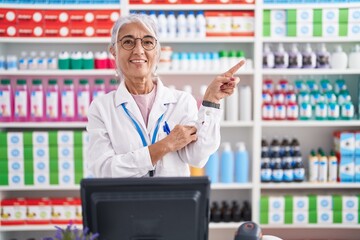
x: 163, y: 98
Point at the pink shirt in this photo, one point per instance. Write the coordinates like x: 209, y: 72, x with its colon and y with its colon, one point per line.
x: 145, y: 103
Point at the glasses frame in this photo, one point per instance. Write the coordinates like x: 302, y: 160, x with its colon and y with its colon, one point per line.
x: 141, y: 41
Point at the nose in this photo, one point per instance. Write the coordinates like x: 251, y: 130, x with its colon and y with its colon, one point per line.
x: 138, y: 47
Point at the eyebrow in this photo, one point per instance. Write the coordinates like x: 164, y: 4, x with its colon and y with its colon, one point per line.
x: 134, y: 37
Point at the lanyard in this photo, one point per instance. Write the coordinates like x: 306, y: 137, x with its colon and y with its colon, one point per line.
x: 138, y: 129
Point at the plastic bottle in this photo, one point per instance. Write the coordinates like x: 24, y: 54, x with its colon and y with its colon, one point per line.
x: 64, y: 60
x: 162, y: 21
x: 171, y: 25
x: 323, y: 57
x: 2, y: 63
x: 245, y: 103
x: 215, y: 58
x: 212, y: 167
x: 277, y: 174
x: 83, y: 99
x: 232, y: 107
x: 42, y: 62
x: 191, y: 25
x: 295, y: 57
x: 21, y: 101
x: 241, y: 163
x: 299, y: 169
x: 23, y: 61
x: 200, y: 25
x: 76, y: 61
x: 224, y: 60
x: 37, y: 103
x: 313, y: 167
x: 152, y: 14
x: 294, y: 146
x: 98, y: 89
x: 246, y: 211
x: 52, y: 63
x: 52, y: 101
x: 333, y: 167
x: 227, y: 164
x: 88, y: 61
x: 333, y: 111
x: 309, y: 57
x: 284, y: 146
x: 281, y: 57
x: 321, y: 110
x: 288, y: 171
x: 113, y: 85
x: 33, y: 61
x: 323, y: 166
x: 268, y: 57
x: 339, y: 59
x: 274, y: 147
x: 266, y: 171
x: 354, y: 58
x: 181, y: 25
x: 6, y: 101
x: 184, y: 61
x: 347, y: 111
x: 68, y: 100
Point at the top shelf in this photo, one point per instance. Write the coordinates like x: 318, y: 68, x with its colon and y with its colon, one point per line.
x: 290, y: 5
x: 175, y: 7
x: 61, y: 6
x: 310, y: 39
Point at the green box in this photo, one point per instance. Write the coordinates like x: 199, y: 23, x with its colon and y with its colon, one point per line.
x: 337, y: 203
x: 54, y: 178
x: 343, y: 29
x: 312, y: 217
x: 317, y: 16
x: 291, y: 16
x: 264, y: 204
x: 288, y: 218
x: 53, y: 138
x: 3, y: 139
x: 27, y: 135
x: 343, y: 15
x: 78, y: 138
x: 4, y: 179
x: 266, y: 30
x: 264, y: 217
x: 4, y: 153
x: 78, y: 177
x: 317, y: 29
x: 337, y: 216
x: 312, y: 203
x: 291, y: 30
x: 266, y: 17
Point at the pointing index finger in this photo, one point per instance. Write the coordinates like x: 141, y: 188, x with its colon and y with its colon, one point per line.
x: 234, y: 69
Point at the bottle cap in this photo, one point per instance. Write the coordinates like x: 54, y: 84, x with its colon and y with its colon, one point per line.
x: 223, y: 54
x: 68, y: 81
x: 83, y: 81
x: 36, y: 82
x: 21, y: 82
x: 52, y: 82
x: 241, y: 146
x: 5, y: 81
x: 226, y: 146
x: 99, y: 81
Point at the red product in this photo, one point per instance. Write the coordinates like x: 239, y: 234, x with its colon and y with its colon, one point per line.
x: 106, y: 16
x: 218, y: 23
x: 279, y: 111
x: 29, y: 16
x: 63, y: 210
x: 13, y: 211
x: 8, y: 30
x: 78, y: 212
x: 38, y: 211
x: 56, y: 17
x: 243, y: 23
x: 30, y: 30
x: 102, y: 30
x: 267, y: 112
x: 7, y: 16
x: 292, y: 111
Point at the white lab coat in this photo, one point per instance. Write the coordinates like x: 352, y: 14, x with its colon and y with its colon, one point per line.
x: 115, y: 147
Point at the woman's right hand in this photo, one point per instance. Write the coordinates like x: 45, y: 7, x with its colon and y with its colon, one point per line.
x: 180, y: 136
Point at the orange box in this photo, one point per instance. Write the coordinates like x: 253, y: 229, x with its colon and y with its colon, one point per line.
x: 56, y: 16
x: 8, y: 16
x: 30, y: 30
x: 242, y: 23
x: 8, y: 30
x: 218, y: 23
x: 29, y: 16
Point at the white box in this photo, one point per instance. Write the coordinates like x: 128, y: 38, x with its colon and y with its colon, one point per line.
x: 350, y: 203
x: 16, y: 166
x: 324, y: 203
x: 66, y: 178
x: 66, y: 165
x: 304, y: 30
x: 330, y: 15
x: 41, y: 179
x: 65, y: 138
x: 278, y: 30
x: 353, y: 29
x: 300, y: 203
x: 277, y: 16
x: 14, y: 213
x: 66, y: 152
x: 15, y: 152
x: 40, y: 138
x: 41, y: 152
x: 276, y: 217
x: 330, y: 29
x: 16, y: 179
x: 324, y: 217
x: 354, y: 15
x: 39, y: 213
x: 350, y: 217
x: 304, y: 15
x: 85, y: 138
x: 276, y: 204
x: 41, y: 166
x: 15, y: 139
x: 300, y: 217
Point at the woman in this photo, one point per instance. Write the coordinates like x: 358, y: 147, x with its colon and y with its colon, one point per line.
x: 144, y: 128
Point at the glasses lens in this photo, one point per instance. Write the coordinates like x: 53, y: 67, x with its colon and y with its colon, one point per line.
x: 128, y: 43
x: 148, y: 43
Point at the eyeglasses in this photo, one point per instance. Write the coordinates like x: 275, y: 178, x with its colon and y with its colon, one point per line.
x: 129, y: 43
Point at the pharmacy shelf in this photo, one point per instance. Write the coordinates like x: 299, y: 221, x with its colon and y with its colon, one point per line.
x: 48, y: 125
x: 69, y: 40
x: 34, y: 228
x: 307, y: 185
x: 39, y: 188
x: 229, y: 124
x: 291, y: 5
x: 222, y: 225
x: 311, y: 123
x: 205, y: 72
x: 95, y: 72
x: 231, y: 186
x: 311, y: 226
x: 314, y: 71
x: 228, y: 39
x: 62, y: 6
x: 187, y: 7
x: 310, y: 40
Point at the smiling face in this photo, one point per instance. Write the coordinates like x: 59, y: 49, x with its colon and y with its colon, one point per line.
x: 137, y: 64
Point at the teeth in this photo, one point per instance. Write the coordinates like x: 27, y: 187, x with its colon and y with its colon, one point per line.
x: 138, y: 61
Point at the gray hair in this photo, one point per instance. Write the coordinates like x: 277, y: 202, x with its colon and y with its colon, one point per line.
x: 143, y: 19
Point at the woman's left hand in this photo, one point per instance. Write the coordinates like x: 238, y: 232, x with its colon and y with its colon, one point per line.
x: 223, y: 85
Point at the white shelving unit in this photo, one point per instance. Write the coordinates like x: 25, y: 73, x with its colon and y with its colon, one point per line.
x: 310, y: 133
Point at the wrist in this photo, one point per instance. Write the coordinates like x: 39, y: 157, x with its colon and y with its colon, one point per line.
x: 207, y: 103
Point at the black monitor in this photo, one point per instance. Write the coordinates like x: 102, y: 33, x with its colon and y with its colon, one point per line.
x: 161, y: 208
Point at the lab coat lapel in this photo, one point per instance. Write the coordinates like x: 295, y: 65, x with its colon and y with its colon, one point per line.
x: 163, y: 98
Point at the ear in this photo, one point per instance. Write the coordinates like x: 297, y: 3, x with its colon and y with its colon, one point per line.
x: 112, y: 51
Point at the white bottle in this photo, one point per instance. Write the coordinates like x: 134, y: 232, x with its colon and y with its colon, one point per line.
x: 33, y: 61
x: 245, y: 103
x: 200, y: 25
x: 42, y: 61
x: 191, y: 25
x: 309, y: 57
x: 268, y: 57
x: 295, y: 57
x: 323, y: 57
x: 152, y: 14
x: 354, y: 58
x: 232, y: 106
x: 162, y: 21
x: 187, y: 88
x: 52, y: 61
x: 23, y: 61
x: 281, y: 57
x: 338, y: 59
x: 181, y: 25
x: 171, y: 25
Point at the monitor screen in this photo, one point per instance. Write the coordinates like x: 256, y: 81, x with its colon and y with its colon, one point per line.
x: 171, y: 208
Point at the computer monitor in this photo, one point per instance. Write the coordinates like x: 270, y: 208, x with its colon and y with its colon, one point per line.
x: 168, y: 208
